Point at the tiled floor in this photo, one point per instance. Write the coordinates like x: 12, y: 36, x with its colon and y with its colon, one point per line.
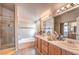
x: 8, y: 51
x: 27, y: 51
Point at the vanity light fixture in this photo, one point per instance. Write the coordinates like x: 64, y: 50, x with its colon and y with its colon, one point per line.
x: 75, y: 3
x: 68, y: 6
x: 58, y: 10
x: 63, y: 8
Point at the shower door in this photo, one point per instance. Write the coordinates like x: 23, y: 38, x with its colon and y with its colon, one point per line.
x: 7, y: 40
x: 7, y: 29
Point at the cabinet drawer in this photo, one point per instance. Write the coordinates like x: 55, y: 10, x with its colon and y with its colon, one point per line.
x: 44, y: 43
x: 45, y: 48
x: 44, y: 52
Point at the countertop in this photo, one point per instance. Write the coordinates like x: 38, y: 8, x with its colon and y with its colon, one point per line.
x: 61, y: 45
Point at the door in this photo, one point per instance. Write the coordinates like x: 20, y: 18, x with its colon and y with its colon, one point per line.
x: 62, y: 28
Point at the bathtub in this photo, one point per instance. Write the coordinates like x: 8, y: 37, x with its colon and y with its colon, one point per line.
x: 26, y: 43
x: 26, y: 40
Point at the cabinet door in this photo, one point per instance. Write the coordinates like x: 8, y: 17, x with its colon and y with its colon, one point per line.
x: 44, y: 52
x: 51, y: 49
x: 45, y: 43
x: 39, y: 45
x: 45, y: 47
x: 69, y: 53
x: 54, y: 50
x: 64, y: 52
x: 57, y: 50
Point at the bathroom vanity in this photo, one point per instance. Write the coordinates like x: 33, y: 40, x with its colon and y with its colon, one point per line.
x: 46, y: 47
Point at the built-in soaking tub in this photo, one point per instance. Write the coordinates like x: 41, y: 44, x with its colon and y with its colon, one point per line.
x: 26, y: 43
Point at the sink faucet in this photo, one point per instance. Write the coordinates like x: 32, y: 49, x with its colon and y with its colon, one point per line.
x: 61, y: 37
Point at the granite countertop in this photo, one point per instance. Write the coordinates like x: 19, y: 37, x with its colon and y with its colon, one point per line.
x: 62, y: 44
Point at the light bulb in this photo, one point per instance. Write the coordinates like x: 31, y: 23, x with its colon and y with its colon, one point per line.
x: 58, y: 10
x: 68, y: 6
x: 75, y: 3
x: 62, y: 8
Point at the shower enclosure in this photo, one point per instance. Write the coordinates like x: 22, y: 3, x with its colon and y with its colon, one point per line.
x: 7, y: 27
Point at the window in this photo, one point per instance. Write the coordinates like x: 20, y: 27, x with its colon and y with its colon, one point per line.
x: 65, y: 29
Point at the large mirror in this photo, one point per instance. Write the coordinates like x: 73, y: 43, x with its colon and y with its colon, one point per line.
x: 68, y: 29
x: 48, y: 25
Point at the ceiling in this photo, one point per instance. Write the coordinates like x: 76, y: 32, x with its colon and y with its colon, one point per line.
x: 34, y: 10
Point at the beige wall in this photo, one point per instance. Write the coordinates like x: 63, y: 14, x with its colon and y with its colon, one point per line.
x: 66, y: 17
x: 38, y: 26
x: 26, y: 26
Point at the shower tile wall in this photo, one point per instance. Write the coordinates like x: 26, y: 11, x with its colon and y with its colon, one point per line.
x: 7, y: 28
x: 0, y: 26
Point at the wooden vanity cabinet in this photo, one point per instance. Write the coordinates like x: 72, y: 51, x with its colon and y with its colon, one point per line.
x: 64, y: 52
x: 45, y: 47
x: 54, y: 50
